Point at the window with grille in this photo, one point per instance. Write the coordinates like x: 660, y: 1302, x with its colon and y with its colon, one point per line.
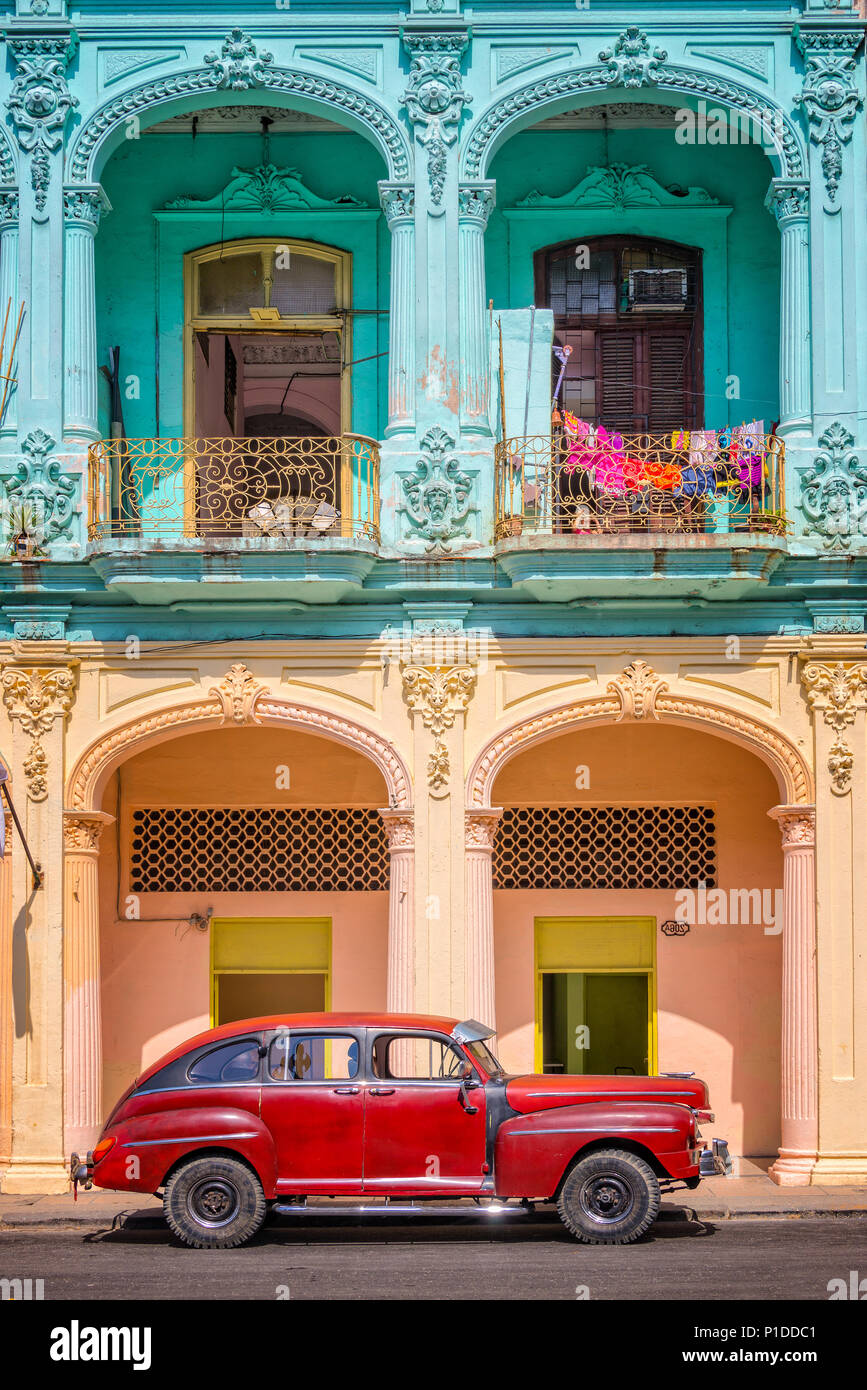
x: 257, y: 850
x: 631, y: 311
x: 606, y: 847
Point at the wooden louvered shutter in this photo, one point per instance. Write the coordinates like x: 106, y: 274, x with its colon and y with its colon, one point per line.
x: 617, y: 379
x: 670, y: 402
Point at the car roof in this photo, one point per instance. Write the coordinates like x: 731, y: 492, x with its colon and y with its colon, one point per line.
x: 428, y: 1022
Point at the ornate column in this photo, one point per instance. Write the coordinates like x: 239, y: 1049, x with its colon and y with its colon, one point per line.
x: 6, y: 996
x: 400, y: 829
x: 40, y: 104
x: 398, y: 204
x: 800, y: 1057
x: 836, y: 691
x: 481, y: 829
x: 475, y: 203
x: 82, y: 208
x: 82, y: 1021
x: 435, y: 101
x: 9, y: 295
x: 38, y: 699
x: 790, y: 204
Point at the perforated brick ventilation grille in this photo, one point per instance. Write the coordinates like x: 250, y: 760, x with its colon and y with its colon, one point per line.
x: 258, y: 850
x: 605, y: 847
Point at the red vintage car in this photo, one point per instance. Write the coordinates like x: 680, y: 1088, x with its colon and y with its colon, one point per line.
x: 394, y: 1109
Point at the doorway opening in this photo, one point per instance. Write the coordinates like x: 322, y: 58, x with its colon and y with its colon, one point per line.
x: 596, y: 995
x: 269, y: 965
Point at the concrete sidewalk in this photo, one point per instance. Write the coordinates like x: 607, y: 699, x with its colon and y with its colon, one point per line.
x: 717, y: 1199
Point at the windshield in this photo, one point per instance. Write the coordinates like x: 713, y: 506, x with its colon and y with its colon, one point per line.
x: 485, y: 1057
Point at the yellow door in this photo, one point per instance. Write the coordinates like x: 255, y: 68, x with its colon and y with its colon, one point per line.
x: 269, y: 965
x: 596, y: 995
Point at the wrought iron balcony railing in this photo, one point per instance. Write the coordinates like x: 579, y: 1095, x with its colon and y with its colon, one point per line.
x: 277, y: 489
x: 582, y: 481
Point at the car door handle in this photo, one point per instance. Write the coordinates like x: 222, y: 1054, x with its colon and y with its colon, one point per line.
x: 382, y: 1090
x: 346, y: 1090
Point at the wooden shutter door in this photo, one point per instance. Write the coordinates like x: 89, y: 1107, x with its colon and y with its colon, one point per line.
x: 618, y: 357
x: 670, y: 398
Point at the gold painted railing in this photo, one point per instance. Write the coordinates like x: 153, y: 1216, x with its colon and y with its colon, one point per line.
x: 586, y: 482
x: 277, y: 488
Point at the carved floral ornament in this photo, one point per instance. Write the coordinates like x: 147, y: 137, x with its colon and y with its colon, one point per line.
x: 830, y: 98
x: 838, y: 693
x: 834, y: 491
x: 399, y: 830
x: 797, y: 826
x: 36, y: 696
x: 638, y: 693
x: 481, y: 829
x: 240, y: 66
x: 39, y: 103
x: 438, y: 694
x: 435, y: 99
x: 238, y: 692
x: 82, y: 831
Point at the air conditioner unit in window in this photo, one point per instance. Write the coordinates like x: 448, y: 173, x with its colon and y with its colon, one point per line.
x: 656, y: 290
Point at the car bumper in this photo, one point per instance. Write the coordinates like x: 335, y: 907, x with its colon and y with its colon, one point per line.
x: 81, y: 1172
x: 716, y: 1161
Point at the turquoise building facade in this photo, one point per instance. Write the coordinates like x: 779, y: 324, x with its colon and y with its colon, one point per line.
x: 289, y: 289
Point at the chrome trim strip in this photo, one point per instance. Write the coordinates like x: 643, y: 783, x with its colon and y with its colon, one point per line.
x: 188, y: 1138
x: 598, y: 1129
x: 644, y: 1095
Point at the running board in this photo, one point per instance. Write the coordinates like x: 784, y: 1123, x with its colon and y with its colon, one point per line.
x: 396, y: 1209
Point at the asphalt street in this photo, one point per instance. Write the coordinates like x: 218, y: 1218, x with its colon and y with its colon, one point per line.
x: 522, y: 1258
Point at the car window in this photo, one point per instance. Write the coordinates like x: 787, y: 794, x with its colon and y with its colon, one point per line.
x: 416, y: 1059
x: 234, y: 1061
x: 312, y: 1057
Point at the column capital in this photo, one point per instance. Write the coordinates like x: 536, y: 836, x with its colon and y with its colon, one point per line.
x: 476, y: 202
x: 397, y: 201
x: 399, y: 828
x: 10, y: 208
x: 797, y: 826
x: 82, y: 831
x: 481, y: 827
x: 83, y: 205
x: 789, y: 201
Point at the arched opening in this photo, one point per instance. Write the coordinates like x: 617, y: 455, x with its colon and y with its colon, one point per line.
x: 637, y: 874
x: 245, y: 873
x: 250, y: 236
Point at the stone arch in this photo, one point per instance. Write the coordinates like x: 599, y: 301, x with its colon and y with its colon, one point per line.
x: 788, y: 765
x: 101, y: 132
x: 508, y: 114
x: 230, y: 706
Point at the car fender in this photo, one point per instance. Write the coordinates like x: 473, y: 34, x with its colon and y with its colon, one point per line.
x: 533, y: 1152
x: 158, y: 1140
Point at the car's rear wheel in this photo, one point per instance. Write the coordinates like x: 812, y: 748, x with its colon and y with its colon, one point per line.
x: 213, y: 1203
x: 609, y: 1198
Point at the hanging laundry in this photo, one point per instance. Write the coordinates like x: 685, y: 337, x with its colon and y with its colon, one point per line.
x: 747, y: 454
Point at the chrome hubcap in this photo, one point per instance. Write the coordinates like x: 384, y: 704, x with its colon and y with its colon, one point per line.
x: 213, y: 1202
x: 606, y: 1198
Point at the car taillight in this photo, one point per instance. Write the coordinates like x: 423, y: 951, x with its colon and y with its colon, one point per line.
x: 102, y: 1148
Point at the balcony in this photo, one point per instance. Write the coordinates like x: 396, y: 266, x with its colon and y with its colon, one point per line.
x: 583, y: 512
x: 167, y: 515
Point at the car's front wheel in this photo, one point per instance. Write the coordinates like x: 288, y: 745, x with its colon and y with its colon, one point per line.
x: 213, y: 1203
x: 609, y: 1198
